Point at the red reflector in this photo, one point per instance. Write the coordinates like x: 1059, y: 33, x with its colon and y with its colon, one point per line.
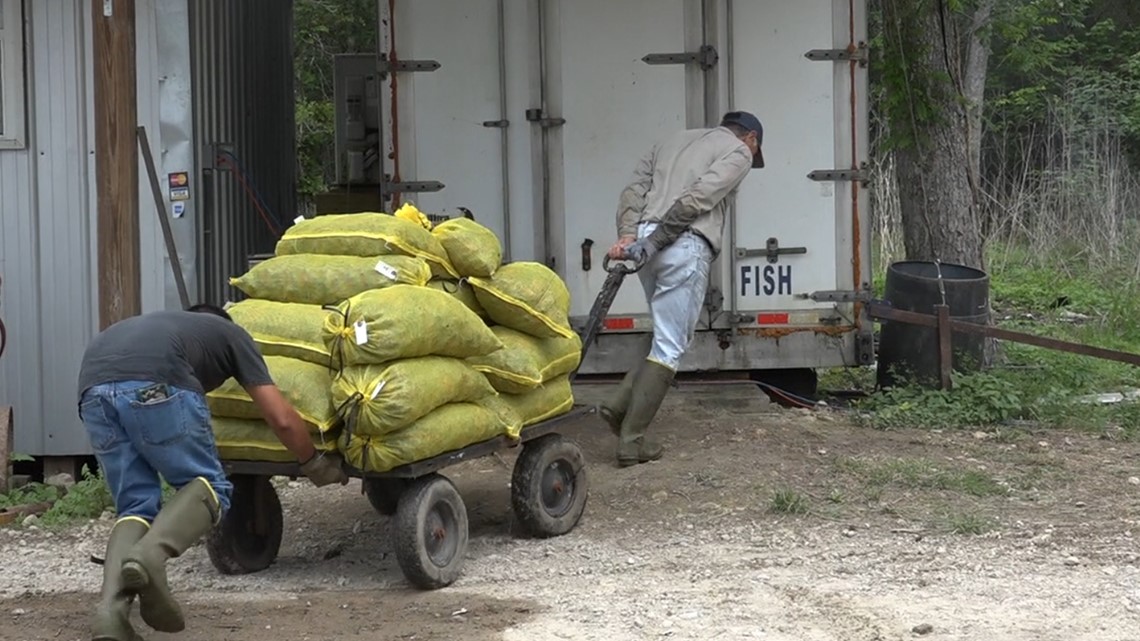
x: 772, y: 319
x: 619, y: 323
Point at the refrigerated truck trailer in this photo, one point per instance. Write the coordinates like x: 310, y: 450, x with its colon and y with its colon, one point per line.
x: 532, y: 116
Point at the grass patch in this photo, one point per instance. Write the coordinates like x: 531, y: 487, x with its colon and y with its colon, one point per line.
x: 969, y: 524
x: 1059, y: 296
x: 920, y: 474
x: 787, y: 501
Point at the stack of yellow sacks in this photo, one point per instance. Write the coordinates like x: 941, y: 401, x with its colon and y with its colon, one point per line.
x: 394, y: 340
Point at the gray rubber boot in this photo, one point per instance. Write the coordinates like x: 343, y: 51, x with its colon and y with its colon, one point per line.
x: 613, y: 409
x: 649, y: 390
x: 112, y: 619
x: 188, y: 517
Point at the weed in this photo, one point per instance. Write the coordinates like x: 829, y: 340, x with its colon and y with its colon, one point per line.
x: 787, y: 501
x: 920, y: 474
x: 87, y: 499
x: 968, y: 523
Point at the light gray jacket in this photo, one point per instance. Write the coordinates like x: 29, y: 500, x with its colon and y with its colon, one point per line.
x: 700, y: 169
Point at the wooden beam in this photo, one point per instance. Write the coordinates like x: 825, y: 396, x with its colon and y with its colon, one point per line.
x: 116, y: 160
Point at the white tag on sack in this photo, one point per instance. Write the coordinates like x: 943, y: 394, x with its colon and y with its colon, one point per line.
x: 387, y: 270
x: 361, y: 329
x: 298, y: 219
x: 376, y: 392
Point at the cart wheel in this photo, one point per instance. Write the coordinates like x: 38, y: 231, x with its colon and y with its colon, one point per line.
x: 549, y: 486
x: 249, y: 536
x: 384, y: 493
x: 431, y: 532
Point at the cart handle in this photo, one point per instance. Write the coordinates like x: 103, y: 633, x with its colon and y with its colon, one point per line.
x: 621, y: 267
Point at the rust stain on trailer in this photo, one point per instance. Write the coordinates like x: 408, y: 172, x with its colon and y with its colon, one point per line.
x: 781, y: 332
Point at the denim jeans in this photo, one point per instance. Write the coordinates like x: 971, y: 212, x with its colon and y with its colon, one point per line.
x: 675, y: 280
x: 137, y: 441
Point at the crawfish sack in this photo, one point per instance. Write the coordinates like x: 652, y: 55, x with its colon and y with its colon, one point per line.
x: 364, y: 234
x: 552, y: 399
x: 461, y: 290
x: 472, y: 249
x: 405, y: 321
x: 384, y: 398
x: 450, y: 427
x: 528, y: 297
x: 284, y: 329
x: 525, y: 362
x: 318, y: 279
x: 243, y: 439
x: 305, y: 385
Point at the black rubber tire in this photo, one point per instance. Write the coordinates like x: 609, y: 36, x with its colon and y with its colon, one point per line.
x: 430, y: 536
x: 239, y: 544
x: 549, y: 486
x: 384, y: 493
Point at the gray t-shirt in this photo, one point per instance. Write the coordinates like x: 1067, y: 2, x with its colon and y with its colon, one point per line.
x: 192, y: 350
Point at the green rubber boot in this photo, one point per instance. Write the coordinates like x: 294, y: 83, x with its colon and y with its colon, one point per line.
x: 649, y: 390
x: 613, y: 409
x: 188, y: 517
x: 112, y: 620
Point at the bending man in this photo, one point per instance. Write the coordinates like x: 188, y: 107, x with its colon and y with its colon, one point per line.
x: 142, y: 386
x: 670, y: 219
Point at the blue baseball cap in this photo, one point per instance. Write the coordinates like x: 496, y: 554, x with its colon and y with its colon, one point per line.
x: 751, y: 123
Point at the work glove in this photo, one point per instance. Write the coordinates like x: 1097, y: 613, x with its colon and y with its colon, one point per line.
x: 640, y: 251
x: 324, y: 469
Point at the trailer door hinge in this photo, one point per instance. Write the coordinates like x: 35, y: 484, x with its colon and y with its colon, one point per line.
x: 861, y: 175
x: 772, y: 251
x: 706, y: 58
x: 839, y: 296
x: 385, y: 66
x: 858, y: 54
x: 538, y: 117
x: 420, y: 186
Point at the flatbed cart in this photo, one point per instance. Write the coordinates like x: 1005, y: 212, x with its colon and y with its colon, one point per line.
x: 549, y: 487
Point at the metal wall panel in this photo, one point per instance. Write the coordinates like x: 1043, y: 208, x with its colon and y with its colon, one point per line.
x: 45, y: 218
x: 243, y: 98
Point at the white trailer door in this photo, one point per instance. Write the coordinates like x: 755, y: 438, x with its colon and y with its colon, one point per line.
x: 447, y: 117
x: 615, y: 106
x: 805, y: 106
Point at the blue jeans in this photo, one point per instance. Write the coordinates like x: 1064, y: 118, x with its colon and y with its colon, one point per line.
x: 675, y: 280
x: 136, y: 441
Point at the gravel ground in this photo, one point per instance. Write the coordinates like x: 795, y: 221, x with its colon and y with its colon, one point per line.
x: 684, y: 549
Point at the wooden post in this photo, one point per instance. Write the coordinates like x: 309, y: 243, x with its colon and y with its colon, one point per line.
x: 945, y: 356
x: 116, y: 160
x: 7, y: 437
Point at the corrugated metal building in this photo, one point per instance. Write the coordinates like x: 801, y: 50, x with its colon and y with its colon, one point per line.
x: 214, y: 82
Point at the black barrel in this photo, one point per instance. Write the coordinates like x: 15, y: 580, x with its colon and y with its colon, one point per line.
x: 909, y: 353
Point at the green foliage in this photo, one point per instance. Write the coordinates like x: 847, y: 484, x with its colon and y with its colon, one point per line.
x: 323, y: 29
x: 16, y: 457
x: 87, y: 499
x: 788, y: 501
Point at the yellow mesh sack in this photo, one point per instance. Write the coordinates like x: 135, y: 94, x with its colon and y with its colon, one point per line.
x: 405, y: 321
x: 408, y: 211
x: 379, y: 399
x: 284, y: 329
x: 305, y: 385
x: 318, y: 279
x: 242, y: 439
x: 450, y: 427
x: 462, y: 290
x: 528, y: 297
x: 525, y: 362
x: 554, y: 398
x: 472, y: 249
x: 364, y: 234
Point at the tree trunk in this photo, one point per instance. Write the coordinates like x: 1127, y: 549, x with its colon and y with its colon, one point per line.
x: 935, y: 117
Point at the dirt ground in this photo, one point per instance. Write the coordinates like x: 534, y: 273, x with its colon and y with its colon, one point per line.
x: 761, y: 523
